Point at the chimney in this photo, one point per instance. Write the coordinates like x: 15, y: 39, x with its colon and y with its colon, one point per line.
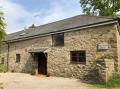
x: 32, y: 26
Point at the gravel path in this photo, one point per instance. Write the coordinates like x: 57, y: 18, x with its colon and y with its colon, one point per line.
x: 26, y: 81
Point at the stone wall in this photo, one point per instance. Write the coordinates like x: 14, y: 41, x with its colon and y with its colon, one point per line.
x: 58, y: 63
x: 118, y: 47
x: 105, y: 70
x: 86, y: 39
x: 27, y: 63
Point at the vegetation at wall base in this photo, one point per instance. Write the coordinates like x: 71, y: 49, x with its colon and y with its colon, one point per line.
x: 112, y: 83
x: 2, y: 68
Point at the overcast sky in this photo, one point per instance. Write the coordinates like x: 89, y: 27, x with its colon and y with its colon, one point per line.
x: 20, y: 14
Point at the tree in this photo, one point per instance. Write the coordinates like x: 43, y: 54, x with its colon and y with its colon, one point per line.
x: 100, y: 7
x: 2, y: 27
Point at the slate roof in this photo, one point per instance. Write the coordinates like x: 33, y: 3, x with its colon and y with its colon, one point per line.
x: 76, y: 21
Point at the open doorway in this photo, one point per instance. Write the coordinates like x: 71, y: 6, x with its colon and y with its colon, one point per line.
x: 42, y: 63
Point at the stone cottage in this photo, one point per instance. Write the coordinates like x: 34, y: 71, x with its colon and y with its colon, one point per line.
x: 67, y: 48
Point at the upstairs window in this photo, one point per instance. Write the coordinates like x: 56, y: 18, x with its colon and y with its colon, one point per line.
x: 78, y: 57
x: 18, y: 57
x: 58, y: 39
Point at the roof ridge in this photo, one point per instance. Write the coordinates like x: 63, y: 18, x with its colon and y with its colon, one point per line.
x: 59, y: 20
x: 107, y: 17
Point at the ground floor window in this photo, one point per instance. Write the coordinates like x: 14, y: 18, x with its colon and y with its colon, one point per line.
x: 78, y: 56
x: 18, y: 58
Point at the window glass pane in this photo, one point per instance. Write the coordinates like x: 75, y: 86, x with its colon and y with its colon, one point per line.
x: 17, y: 57
x: 81, y: 53
x: 78, y: 56
x: 74, y: 53
x: 74, y: 59
x: 82, y: 59
x: 58, y: 39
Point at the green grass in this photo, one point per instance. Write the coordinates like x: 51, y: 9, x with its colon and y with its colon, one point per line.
x: 112, y: 83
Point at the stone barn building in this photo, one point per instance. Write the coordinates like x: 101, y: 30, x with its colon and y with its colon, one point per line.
x: 68, y: 48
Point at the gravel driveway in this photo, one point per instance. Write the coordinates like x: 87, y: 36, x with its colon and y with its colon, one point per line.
x: 26, y: 81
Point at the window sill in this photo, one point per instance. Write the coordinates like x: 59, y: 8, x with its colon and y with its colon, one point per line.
x: 58, y: 46
x: 78, y: 63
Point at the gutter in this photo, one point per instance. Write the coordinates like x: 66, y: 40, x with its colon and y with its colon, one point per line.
x: 116, y: 20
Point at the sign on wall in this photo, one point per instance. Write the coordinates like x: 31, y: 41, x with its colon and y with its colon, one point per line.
x: 103, y: 46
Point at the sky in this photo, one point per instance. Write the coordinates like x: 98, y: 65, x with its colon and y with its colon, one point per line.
x: 20, y: 14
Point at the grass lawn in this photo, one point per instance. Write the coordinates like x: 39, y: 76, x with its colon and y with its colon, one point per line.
x: 111, y: 84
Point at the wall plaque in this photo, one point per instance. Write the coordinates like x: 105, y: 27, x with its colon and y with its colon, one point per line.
x: 103, y: 46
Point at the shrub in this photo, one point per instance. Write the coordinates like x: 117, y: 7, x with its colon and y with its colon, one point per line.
x: 2, y: 68
x: 114, y: 82
x: 105, y: 57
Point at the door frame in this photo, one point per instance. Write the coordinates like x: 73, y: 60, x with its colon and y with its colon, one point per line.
x: 45, y: 61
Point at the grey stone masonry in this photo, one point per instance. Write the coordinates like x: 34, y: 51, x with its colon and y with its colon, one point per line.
x: 59, y: 58
x: 105, y: 70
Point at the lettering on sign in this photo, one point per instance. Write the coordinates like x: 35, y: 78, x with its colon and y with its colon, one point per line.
x: 103, y: 46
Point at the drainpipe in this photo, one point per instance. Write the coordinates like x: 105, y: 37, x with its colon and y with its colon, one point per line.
x: 8, y: 49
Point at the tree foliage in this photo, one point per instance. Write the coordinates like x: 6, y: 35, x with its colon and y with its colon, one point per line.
x: 100, y: 7
x: 2, y: 27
